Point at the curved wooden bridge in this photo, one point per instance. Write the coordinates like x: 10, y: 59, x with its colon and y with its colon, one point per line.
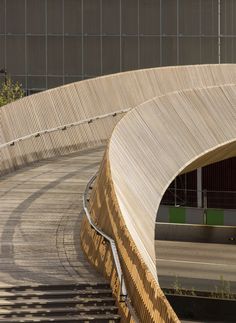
x: 40, y: 216
x: 177, y: 119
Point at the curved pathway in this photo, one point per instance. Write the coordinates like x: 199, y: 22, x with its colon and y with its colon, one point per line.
x: 40, y: 208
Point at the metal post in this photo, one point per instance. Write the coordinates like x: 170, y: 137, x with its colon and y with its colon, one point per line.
x: 101, y: 42
x: 46, y: 44
x: 205, y: 206
x: 138, y: 34
x: 5, y: 36
x: 26, y: 68
x: 219, y: 31
x: 177, y: 32
x: 120, y: 36
x: 200, y: 24
x: 82, y: 39
x: 160, y: 16
x: 185, y: 189
x: 199, y: 187
x: 63, y: 42
x: 175, y: 192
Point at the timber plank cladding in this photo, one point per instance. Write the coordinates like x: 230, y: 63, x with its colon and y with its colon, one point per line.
x: 181, y: 118
x: 89, y: 99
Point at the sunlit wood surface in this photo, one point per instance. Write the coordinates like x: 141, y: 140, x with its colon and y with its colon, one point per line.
x: 160, y: 139
x: 40, y: 215
x: 182, y: 118
x: 94, y: 97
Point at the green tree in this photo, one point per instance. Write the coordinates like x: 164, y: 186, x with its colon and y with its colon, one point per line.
x: 10, y: 91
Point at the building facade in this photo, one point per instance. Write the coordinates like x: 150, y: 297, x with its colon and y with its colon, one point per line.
x: 46, y: 43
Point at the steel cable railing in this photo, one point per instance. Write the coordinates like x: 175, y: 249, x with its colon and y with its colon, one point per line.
x: 124, y: 295
x: 63, y: 127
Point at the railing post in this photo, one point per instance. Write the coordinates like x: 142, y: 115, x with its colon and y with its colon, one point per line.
x: 205, y: 206
x: 199, y: 187
x: 123, y: 291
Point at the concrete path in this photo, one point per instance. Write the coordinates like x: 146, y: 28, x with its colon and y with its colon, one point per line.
x: 40, y: 218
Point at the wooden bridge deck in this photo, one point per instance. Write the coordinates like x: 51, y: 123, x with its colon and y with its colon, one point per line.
x: 40, y: 218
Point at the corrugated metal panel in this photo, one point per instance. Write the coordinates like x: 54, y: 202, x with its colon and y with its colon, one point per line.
x: 145, y: 33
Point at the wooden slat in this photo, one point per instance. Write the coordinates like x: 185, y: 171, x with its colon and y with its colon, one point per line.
x: 40, y: 215
x: 87, y: 99
x: 188, y: 120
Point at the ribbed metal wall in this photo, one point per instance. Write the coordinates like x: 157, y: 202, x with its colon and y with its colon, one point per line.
x: 45, y: 43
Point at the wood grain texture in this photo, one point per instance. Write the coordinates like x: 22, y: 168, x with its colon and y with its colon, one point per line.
x: 182, y: 118
x: 40, y: 218
x: 87, y: 99
x: 146, y: 296
x: 158, y: 140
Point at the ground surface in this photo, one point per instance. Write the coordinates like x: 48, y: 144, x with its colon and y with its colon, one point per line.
x: 40, y: 208
x: 201, y: 266
x: 40, y: 219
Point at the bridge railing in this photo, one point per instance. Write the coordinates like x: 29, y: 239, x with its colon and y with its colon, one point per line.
x: 146, y: 296
x: 121, y: 292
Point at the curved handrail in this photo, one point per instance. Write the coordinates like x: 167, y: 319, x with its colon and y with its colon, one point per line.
x: 63, y: 127
x: 124, y: 294
x: 97, y: 97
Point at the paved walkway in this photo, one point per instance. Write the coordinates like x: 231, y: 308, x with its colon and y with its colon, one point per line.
x: 40, y: 218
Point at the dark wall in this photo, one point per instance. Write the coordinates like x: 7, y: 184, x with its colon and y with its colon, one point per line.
x: 218, y: 180
x: 45, y: 43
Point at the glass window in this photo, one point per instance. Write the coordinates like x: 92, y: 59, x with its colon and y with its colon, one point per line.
x: 111, y: 17
x: 54, y: 55
x: 36, y: 14
x: 2, y: 52
x: 209, y: 17
x: 72, y: 79
x: 110, y: 54
x: 169, y: 51
x: 36, y: 55
x: 73, y: 55
x: 2, y: 16
x: 92, y: 56
x: 16, y: 46
x: 189, y: 17
x: 129, y: 53
x: 36, y: 82
x: 149, y: 17
x: 129, y: 12
x: 73, y: 16
x: 54, y: 81
x: 54, y: 16
x: 169, y: 17
x: 209, y: 50
x: 149, y: 51
x: 228, y: 14
x: 189, y: 50
x: 228, y: 50
x: 92, y: 17
x: 15, y: 16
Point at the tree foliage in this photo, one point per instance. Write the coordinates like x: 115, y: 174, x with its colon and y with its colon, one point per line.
x: 10, y: 91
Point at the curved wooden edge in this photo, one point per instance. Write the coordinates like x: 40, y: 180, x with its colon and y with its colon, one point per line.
x: 93, y: 97
x: 155, y: 142
x: 88, y: 99
x: 61, y: 142
x: 146, y: 295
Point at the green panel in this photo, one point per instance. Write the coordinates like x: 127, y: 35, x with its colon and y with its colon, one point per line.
x: 215, y: 217
x: 177, y: 215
